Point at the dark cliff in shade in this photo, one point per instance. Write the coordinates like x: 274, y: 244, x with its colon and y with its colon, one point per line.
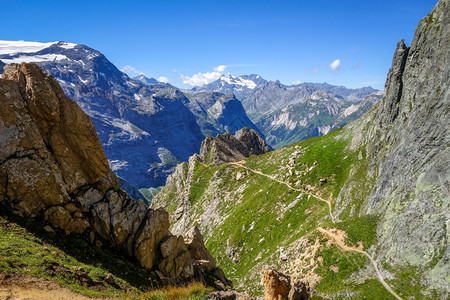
x: 53, y: 167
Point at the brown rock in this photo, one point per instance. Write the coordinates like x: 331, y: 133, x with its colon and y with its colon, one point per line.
x: 276, y: 284
x: 177, y: 261
x: 155, y: 229
x: 61, y: 218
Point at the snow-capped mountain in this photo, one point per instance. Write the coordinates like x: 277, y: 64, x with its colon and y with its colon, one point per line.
x: 145, y: 80
x: 146, y: 126
x: 284, y: 113
x: 145, y: 129
x: 241, y: 86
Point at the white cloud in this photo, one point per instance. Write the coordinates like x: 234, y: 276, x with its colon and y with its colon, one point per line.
x: 129, y: 69
x: 201, y: 79
x: 334, y: 66
x: 220, y: 68
x: 315, y: 70
x: 163, y: 79
x: 297, y: 82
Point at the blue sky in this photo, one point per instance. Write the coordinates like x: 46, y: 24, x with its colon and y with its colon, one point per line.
x: 348, y: 43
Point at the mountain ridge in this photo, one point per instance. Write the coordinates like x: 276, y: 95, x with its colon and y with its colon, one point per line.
x: 151, y: 121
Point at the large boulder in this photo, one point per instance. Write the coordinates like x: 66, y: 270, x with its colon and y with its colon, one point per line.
x: 52, y: 166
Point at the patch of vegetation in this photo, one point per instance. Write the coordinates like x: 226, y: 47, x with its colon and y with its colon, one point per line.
x: 360, y: 229
x: 150, y: 193
x: 407, y: 283
x: 263, y: 215
x: 201, y: 177
x: 372, y: 289
x: 337, y: 267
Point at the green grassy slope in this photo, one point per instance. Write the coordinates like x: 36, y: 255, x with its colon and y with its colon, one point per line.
x: 250, y: 220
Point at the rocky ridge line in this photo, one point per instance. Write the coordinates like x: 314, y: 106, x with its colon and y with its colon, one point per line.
x: 228, y: 148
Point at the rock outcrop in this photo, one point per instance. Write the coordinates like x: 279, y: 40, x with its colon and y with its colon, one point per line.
x: 52, y: 167
x: 409, y: 155
x: 277, y: 286
x: 228, y: 148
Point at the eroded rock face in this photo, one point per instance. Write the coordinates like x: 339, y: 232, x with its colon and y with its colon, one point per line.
x: 228, y: 148
x: 277, y: 286
x: 53, y: 166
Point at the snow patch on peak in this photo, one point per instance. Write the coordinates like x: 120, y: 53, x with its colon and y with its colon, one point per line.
x: 35, y: 58
x: 66, y: 45
x: 11, y: 47
x: 236, y: 80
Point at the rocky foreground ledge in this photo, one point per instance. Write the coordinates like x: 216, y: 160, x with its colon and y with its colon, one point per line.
x: 53, y: 169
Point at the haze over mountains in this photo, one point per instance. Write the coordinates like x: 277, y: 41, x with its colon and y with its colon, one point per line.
x: 162, y: 125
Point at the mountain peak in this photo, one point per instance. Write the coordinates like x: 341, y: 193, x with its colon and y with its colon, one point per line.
x: 146, y: 80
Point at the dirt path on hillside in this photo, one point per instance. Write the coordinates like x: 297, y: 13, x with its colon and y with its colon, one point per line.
x: 239, y: 164
x: 337, y: 236
x: 21, y: 287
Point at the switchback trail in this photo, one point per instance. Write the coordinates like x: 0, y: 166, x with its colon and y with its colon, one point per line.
x: 338, y: 240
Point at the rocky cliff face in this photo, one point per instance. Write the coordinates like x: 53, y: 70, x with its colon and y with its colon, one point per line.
x: 228, y: 148
x: 52, y: 167
x: 409, y: 154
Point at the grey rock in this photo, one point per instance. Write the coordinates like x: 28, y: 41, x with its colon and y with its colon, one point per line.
x: 409, y: 158
x: 228, y: 148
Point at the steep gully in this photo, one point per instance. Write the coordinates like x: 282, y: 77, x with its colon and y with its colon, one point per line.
x: 336, y: 239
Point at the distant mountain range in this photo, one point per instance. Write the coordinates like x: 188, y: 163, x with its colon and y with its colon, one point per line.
x: 287, y: 114
x: 146, y: 126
